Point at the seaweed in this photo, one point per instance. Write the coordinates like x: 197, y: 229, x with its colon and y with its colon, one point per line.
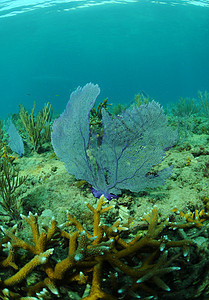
x: 204, y: 100
x: 186, y: 107
x: 10, y: 181
x: 37, y: 127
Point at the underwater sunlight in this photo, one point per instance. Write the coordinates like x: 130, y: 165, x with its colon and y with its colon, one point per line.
x: 104, y: 149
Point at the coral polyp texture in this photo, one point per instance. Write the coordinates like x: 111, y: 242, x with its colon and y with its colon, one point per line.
x: 102, y: 263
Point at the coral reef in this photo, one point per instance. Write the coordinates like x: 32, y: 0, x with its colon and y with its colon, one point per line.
x: 121, y: 159
x: 108, y: 250
x: 94, y: 260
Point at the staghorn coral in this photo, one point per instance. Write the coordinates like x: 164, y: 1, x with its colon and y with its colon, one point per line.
x: 194, y: 219
x: 95, y: 261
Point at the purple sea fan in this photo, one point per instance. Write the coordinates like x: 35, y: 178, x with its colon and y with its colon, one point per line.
x: 71, y: 133
x: 132, y: 143
x: 15, y: 140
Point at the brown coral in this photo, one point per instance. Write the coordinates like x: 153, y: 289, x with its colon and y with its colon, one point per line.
x: 97, y: 260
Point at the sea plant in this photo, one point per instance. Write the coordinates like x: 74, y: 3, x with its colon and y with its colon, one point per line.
x: 118, y: 108
x: 141, y: 98
x: 1, y: 131
x: 4, y: 148
x: 37, y: 127
x: 15, y: 140
x: 1, y: 138
x: 185, y: 111
x: 186, y: 107
x: 122, y: 158
x: 10, y: 181
x: 204, y: 101
x: 95, y: 117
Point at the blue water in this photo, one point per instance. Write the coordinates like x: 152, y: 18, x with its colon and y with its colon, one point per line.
x: 48, y: 48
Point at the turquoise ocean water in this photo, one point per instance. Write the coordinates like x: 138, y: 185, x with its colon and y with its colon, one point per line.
x: 48, y: 48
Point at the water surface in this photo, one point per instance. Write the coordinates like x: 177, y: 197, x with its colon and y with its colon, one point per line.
x: 48, y: 48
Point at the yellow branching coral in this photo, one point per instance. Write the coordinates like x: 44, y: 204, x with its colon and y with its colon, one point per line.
x: 95, y: 260
x: 194, y: 219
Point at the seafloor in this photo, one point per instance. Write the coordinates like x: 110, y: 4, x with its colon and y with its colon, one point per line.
x: 50, y: 191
